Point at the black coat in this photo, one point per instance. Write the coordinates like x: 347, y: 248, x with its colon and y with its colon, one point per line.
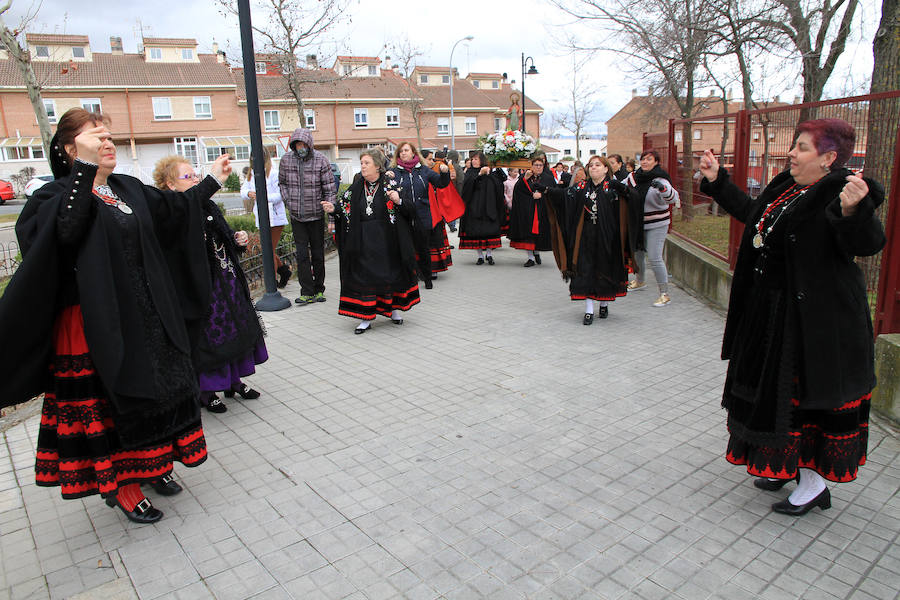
x: 90, y: 269
x: 825, y: 289
x: 485, y: 206
x: 524, y: 205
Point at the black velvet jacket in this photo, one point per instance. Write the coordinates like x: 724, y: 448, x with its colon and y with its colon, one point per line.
x: 825, y: 288
x: 74, y: 255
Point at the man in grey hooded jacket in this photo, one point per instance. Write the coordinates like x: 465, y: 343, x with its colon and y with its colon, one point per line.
x: 306, y: 180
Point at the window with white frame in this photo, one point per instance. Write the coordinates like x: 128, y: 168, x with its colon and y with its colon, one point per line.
x: 272, y: 120
x: 423, y: 78
x: 567, y: 152
x: 348, y: 69
x: 471, y: 126
x: 698, y: 134
x: 187, y: 54
x: 155, y: 53
x: 91, y: 104
x: 445, y: 79
x: 187, y: 147
x: 360, y: 117
x: 22, y: 153
x: 495, y: 84
x: 392, y: 116
x: 476, y: 83
x: 42, y: 51
x: 373, y: 70
x: 261, y: 68
x: 50, y: 107
x: 593, y: 152
x: 443, y: 126
x: 309, y: 115
x: 202, y: 107
x: 498, y: 123
x: 236, y: 152
x: 162, y: 108
x: 755, y: 136
x: 677, y: 136
x: 77, y: 52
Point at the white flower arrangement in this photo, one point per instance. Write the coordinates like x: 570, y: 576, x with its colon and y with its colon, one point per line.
x: 507, y: 145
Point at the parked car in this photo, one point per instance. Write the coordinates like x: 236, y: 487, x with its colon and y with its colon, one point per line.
x: 6, y: 191
x: 35, y: 183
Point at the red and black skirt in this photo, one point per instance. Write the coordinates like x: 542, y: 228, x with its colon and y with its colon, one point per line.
x: 77, y: 447
x: 367, y: 306
x: 439, y: 249
x: 472, y: 243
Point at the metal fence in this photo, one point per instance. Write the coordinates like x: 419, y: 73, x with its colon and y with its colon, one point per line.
x: 753, y: 145
x: 251, y: 261
x: 9, y: 259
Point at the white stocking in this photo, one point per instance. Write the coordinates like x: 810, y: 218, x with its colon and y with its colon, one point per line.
x: 530, y: 254
x: 489, y: 253
x: 363, y: 324
x: 811, y: 485
x: 395, y: 314
x: 481, y: 253
x: 588, y: 306
x: 603, y: 303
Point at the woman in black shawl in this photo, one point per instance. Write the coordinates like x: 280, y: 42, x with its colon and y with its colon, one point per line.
x: 588, y: 230
x: 229, y: 341
x: 479, y: 227
x: 529, y: 229
x: 107, y: 316
x: 375, y: 244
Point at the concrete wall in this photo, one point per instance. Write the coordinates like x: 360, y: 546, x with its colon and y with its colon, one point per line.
x: 709, y: 278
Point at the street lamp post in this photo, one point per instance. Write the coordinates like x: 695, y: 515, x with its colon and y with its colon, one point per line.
x: 468, y: 38
x: 531, y: 71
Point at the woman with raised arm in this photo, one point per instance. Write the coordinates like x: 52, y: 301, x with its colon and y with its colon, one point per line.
x: 105, y: 339
x: 229, y: 341
x: 588, y: 229
x: 798, y: 335
x: 479, y: 227
x: 375, y: 245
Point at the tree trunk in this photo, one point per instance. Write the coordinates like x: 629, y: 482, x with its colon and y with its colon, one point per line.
x: 881, y: 130
x: 687, y: 181
x: 23, y: 60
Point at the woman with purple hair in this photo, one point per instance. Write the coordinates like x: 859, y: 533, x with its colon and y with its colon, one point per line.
x: 798, y: 333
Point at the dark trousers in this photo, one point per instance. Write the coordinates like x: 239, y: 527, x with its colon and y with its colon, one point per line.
x: 309, y: 240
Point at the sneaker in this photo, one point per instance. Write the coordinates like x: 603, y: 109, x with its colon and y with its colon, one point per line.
x: 305, y: 300
x: 636, y: 285
x: 320, y: 297
x: 662, y: 300
x: 216, y: 406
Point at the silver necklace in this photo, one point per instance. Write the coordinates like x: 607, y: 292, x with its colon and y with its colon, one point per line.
x: 370, y: 196
x: 222, y: 257
x: 109, y: 197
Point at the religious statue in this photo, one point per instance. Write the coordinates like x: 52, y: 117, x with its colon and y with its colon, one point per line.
x: 514, y: 114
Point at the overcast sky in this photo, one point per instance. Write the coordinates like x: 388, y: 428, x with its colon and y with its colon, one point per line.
x: 502, y: 32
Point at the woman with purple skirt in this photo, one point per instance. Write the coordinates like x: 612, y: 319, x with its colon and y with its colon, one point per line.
x: 229, y: 343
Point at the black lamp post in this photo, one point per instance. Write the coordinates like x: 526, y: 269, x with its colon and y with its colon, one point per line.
x: 531, y: 71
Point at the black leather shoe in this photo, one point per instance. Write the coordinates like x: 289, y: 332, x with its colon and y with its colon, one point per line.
x: 284, y: 275
x: 490, y: 260
x: 588, y: 318
x: 480, y: 261
x: 823, y: 501
x: 360, y: 331
x: 428, y: 285
x: 397, y: 321
x: 529, y: 263
x: 537, y: 258
x: 166, y: 486
x: 245, y: 392
x: 764, y: 483
x: 143, y: 512
x: 216, y: 406
x: 603, y: 312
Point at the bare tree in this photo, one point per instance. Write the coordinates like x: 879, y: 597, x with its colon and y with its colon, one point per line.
x: 289, y: 30
x: 808, y: 25
x: 582, y: 105
x: 663, y: 41
x: 22, y: 58
x: 880, y: 138
x: 406, y: 54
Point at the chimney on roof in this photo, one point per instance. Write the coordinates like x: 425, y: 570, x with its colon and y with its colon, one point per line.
x: 312, y: 61
x: 215, y: 47
x: 776, y: 99
x: 115, y: 45
x: 797, y: 99
x: 505, y: 77
x: 634, y: 92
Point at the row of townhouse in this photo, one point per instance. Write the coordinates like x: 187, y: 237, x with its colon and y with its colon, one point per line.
x: 168, y: 98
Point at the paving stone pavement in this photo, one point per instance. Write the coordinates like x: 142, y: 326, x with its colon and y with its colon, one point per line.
x: 490, y: 447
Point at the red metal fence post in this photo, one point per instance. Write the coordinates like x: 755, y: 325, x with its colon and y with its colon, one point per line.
x: 739, y: 176
x: 887, y: 306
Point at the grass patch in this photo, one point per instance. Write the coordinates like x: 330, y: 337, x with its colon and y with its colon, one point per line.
x: 9, y: 218
x: 704, y: 229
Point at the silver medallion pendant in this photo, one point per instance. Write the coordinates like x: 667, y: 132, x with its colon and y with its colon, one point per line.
x: 758, y: 240
x: 124, y: 208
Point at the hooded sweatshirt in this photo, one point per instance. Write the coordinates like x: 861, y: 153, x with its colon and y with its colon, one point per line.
x: 305, y: 182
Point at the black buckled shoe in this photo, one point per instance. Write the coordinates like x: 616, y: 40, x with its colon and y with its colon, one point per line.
x: 397, y: 321
x: 588, y: 318
x: 537, y: 258
x: 490, y: 260
x: 480, y: 261
x: 603, y: 312
x: 823, y: 501
x: 166, y: 486
x: 529, y: 263
x: 764, y: 483
x: 245, y: 392
x: 143, y: 512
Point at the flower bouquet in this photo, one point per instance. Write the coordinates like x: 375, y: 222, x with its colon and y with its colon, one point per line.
x: 507, y: 146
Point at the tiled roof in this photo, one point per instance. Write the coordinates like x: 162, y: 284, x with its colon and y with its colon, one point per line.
x: 434, y: 69
x: 484, y: 75
x: 326, y: 84
x: 54, y: 38
x: 357, y: 59
x: 501, y: 97
x: 180, y: 42
x: 122, y: 70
